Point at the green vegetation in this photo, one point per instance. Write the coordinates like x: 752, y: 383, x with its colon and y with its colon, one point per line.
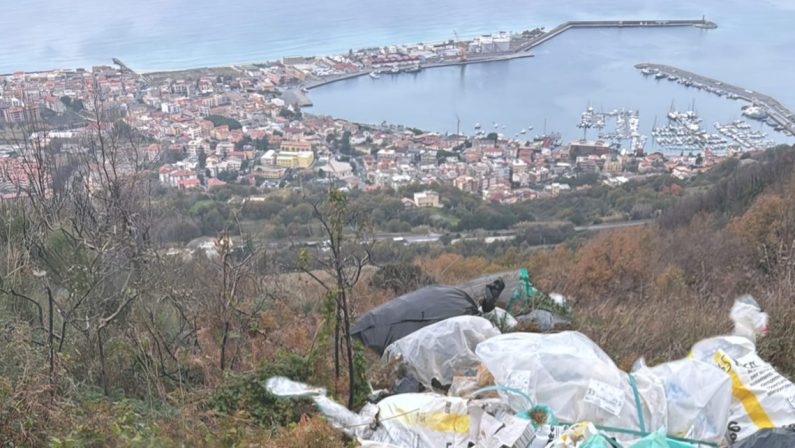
x: 219, y: 120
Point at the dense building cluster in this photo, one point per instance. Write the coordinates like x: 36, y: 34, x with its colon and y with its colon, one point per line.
x: 209, y: 127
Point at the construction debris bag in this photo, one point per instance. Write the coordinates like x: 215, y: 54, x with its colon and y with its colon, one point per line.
x: 762, y: 397
x: 699, y: 397
x: 405, y: 420
x: 403, y: 315
x: 422, y: 421
x: 442, y: 350
x: 569, y: 373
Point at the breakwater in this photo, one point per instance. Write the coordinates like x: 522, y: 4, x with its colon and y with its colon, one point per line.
x: 776, y: 112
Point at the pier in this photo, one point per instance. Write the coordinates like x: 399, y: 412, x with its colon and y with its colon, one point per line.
x: 776, y: 111
x: 563, y: 27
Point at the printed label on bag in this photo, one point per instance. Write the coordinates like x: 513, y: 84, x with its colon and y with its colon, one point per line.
x: 605, y: 396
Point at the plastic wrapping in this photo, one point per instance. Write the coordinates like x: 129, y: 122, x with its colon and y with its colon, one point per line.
x: 734, y: 346
x: 749, y: 319
x: 569, y: 373
x: 699, y: 397
x: 580, y: 435
x: 442, y: 350
x: 658, y: 439
x: 501, y: 319
x: 762, y: 397
x: 423, y: 421
x: 354, y: 425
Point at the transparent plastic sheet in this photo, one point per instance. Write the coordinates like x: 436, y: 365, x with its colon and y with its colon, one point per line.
x: 569, y: 373
x: 354, y: 425
x: 699, y: 397
x: 442, y: 350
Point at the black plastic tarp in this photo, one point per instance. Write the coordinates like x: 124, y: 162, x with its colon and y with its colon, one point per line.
x: 408, y: 313
x: 769, y: 438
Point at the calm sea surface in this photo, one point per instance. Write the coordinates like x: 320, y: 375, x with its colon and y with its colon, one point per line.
x: 753, y: 47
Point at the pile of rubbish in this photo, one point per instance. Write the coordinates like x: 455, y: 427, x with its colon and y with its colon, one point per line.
x: 469, y: 379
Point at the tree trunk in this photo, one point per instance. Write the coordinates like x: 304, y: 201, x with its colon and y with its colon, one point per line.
x: 349, y: 350
x: 223, y: 345
x: 337, y: 342
x: 102, y: 361
x: 50, y: 344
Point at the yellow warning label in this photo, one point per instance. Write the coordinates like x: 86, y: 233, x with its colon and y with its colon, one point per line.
x: 745, y: 396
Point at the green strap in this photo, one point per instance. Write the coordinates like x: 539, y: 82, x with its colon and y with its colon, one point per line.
x: 505, y: 389
x: 633, y: 432
x: 634, y: 385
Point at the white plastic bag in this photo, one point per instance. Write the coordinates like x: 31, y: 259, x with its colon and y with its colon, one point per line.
x: 699, y: 397
x: 575, y: 378
x: 422, y: 421
x: 762, y: 397
x: 354, y: 425
x: 405, y: 420
x: 501, y: 318
x: 443, y: 349
x: 749, y: 319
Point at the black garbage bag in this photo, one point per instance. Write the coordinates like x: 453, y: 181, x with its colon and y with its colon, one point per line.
x: 769, y: 438
x: 408, y: 313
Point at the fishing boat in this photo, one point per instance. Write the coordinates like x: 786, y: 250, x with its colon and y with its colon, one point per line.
x: 646, y: 71
x: 374, y: 75
x: 395, y: 70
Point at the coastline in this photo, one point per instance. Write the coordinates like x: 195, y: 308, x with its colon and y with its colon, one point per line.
x: 521, y: 52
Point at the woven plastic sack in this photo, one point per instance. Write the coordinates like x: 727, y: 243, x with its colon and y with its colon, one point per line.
x: 423, y: 421
x: 699, y: 397
x: 569, y: 373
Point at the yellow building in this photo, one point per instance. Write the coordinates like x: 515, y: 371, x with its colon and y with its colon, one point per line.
x: 295, y: 146
x: 302, y: 159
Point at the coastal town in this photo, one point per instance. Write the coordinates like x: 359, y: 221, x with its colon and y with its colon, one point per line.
x: 205, y: 128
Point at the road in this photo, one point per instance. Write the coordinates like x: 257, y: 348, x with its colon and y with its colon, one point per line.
x: 432, y: 237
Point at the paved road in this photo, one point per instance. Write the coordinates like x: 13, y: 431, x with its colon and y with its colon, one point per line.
x: 413, y: 238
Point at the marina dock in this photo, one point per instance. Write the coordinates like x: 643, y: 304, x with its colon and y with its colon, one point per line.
x: 776, y: 112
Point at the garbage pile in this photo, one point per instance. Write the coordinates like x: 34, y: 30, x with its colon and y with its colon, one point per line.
x: 475, y: 384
